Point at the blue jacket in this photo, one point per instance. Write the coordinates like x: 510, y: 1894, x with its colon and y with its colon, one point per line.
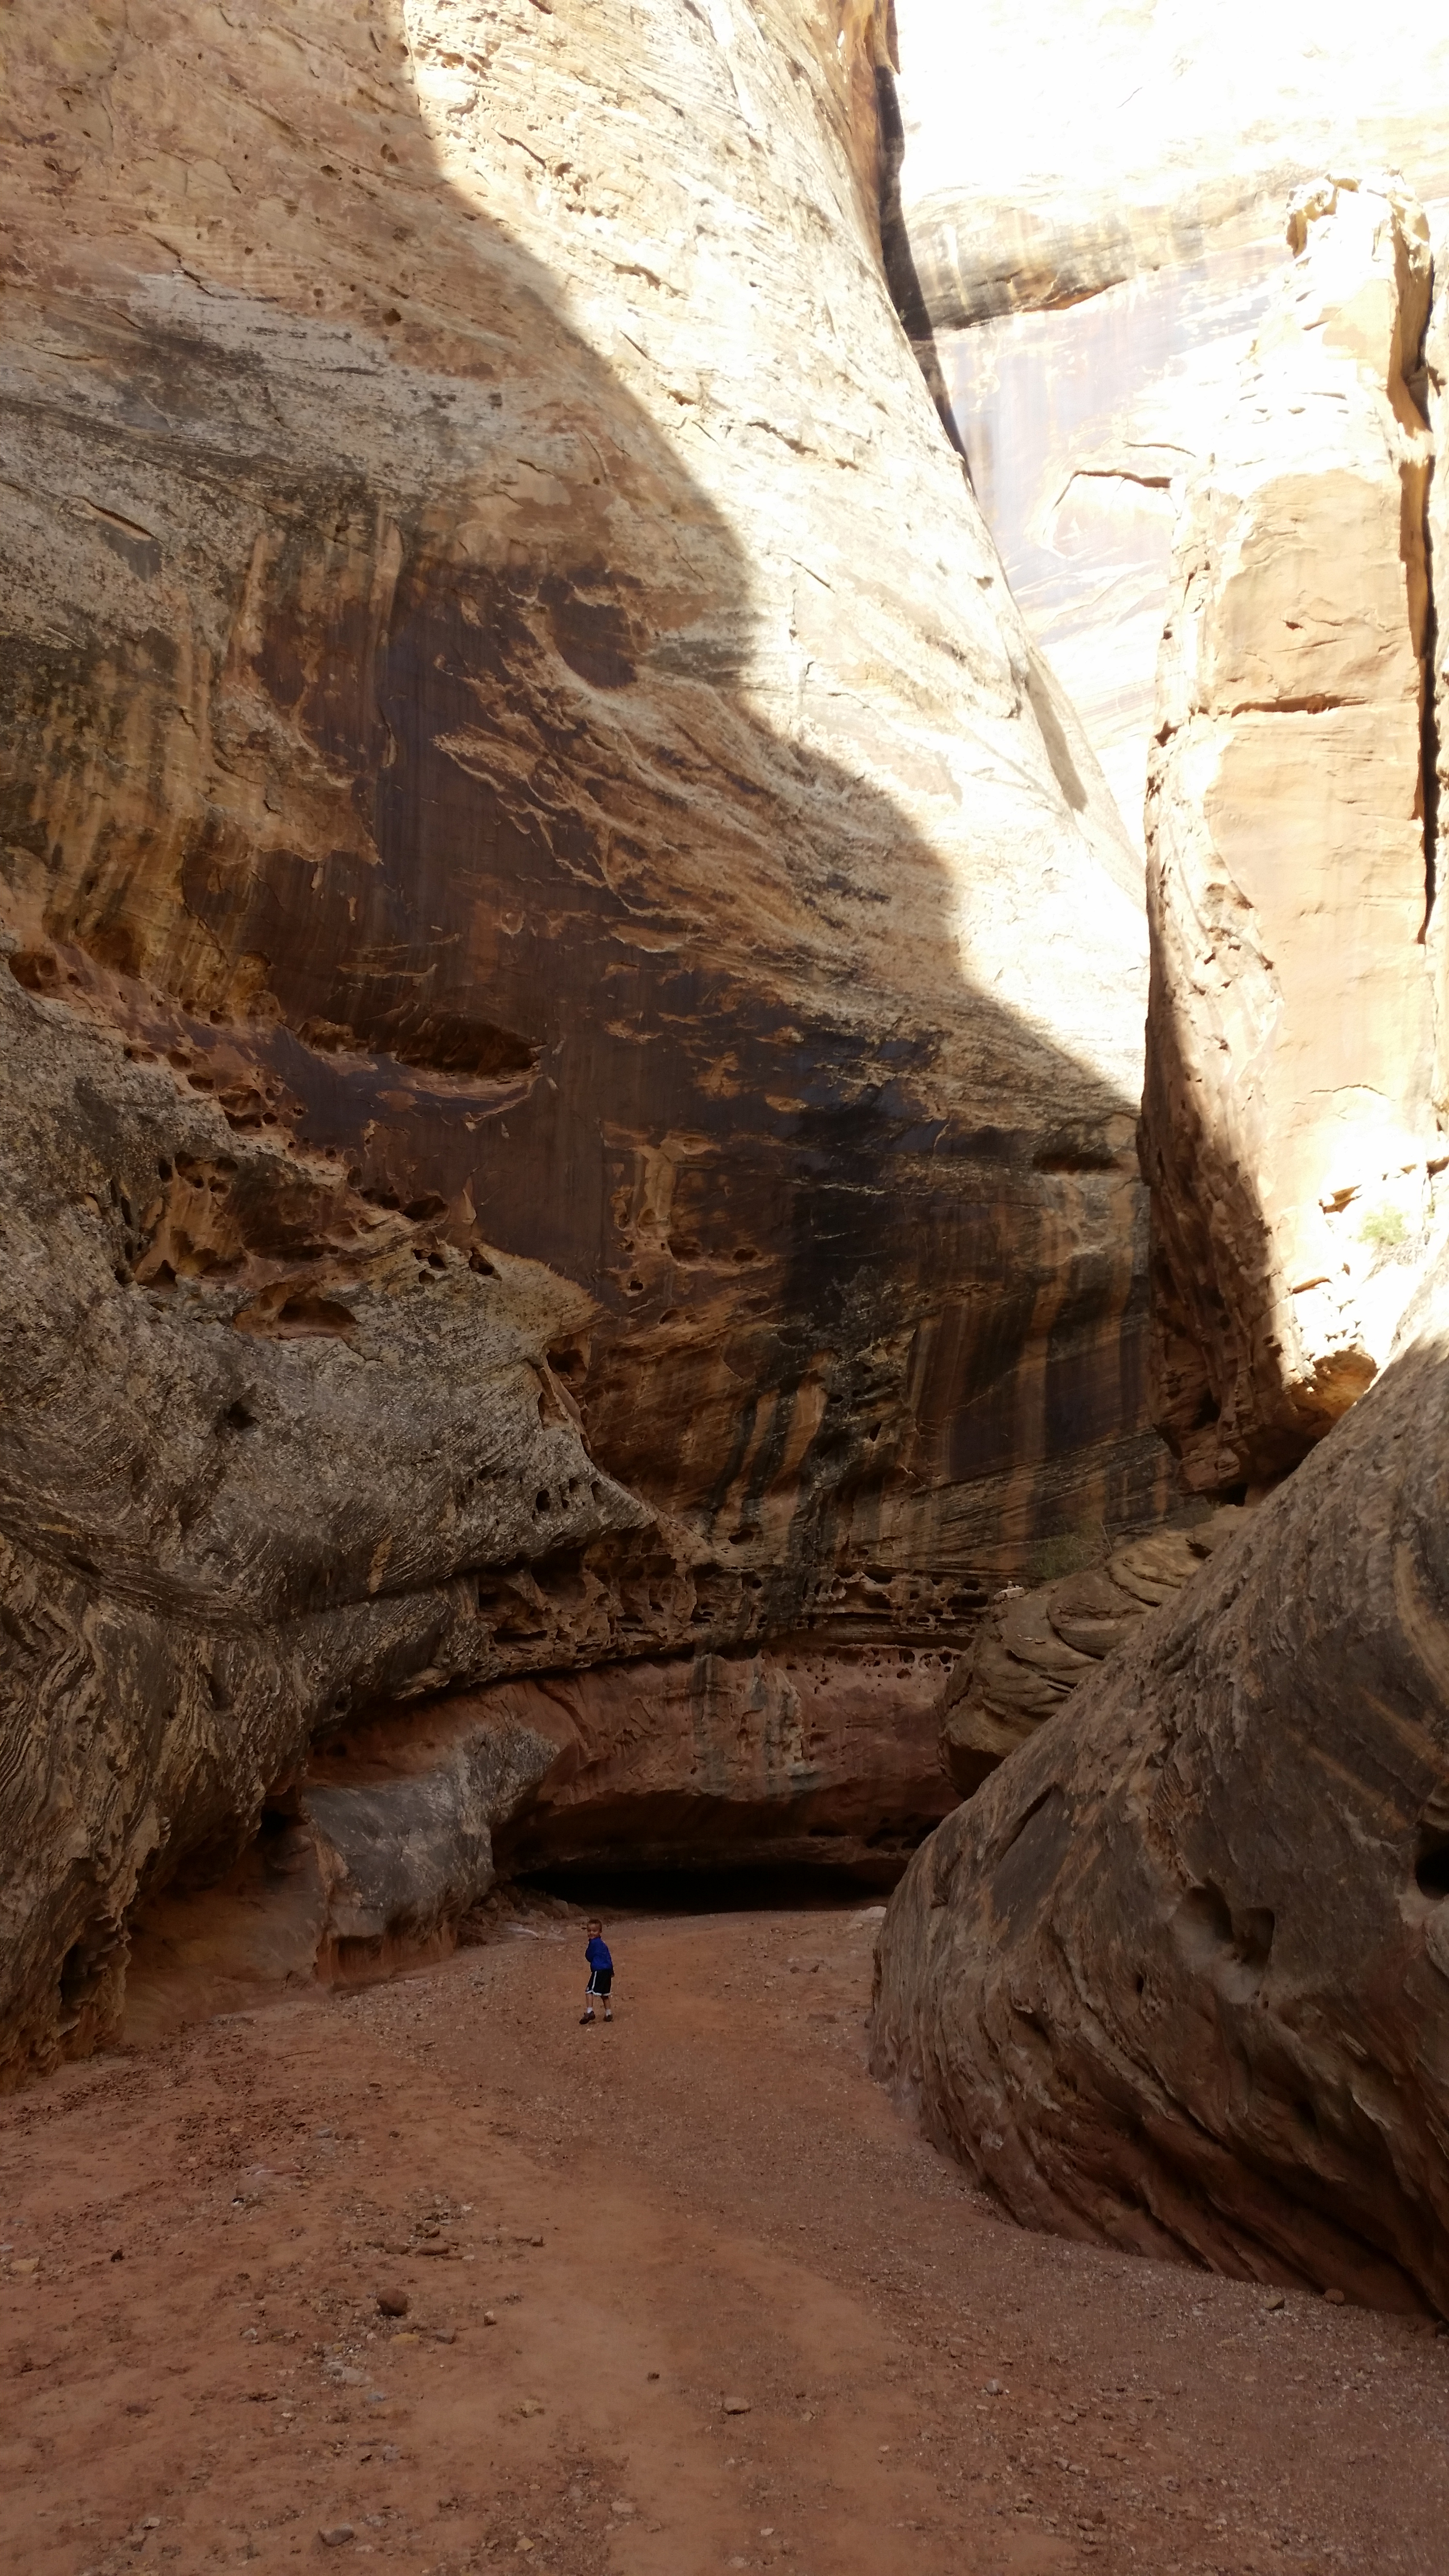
x: 597, y: 1954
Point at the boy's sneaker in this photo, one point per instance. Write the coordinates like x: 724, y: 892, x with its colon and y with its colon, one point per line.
x: 585, y: 2018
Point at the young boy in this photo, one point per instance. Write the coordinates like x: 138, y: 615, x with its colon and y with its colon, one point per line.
x: 601, y: 1975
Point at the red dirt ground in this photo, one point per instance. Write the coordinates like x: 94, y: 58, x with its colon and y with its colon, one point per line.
x: 708, y: 2201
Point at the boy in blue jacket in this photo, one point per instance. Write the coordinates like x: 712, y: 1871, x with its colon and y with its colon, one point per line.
x: 601, y: 1975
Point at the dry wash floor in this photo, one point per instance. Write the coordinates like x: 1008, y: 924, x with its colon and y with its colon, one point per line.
x: 607, y: 2240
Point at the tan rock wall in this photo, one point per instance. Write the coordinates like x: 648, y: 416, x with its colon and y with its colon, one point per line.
x: 1289, y: 1136
x: 1095, y: 205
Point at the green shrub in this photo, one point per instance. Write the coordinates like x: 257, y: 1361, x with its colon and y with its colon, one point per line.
x: 1385, y: 1227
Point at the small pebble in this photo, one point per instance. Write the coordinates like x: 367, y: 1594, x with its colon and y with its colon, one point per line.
x: 336, y: 2535
x: 1335, y: 2298
x: 737, y: 2406
x: 993, y: 2388
x: 444, y: 2334
x: 489, y: 2319
x: 1275, y: 2299
x: 392, y: 2303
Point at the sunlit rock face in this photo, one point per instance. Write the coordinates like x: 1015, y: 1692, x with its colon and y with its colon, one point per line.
x: 1289, y: 1132
x: 1095, y: 207
x: 574, y: 1012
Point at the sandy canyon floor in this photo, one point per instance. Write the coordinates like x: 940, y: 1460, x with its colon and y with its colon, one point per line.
x: 685, y: 2294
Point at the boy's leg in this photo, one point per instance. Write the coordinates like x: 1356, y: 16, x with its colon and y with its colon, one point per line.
x: 588, y: 2011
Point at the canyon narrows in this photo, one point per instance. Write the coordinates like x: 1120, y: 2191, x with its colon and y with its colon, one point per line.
x: 1174, y: 1976
x: 630, y: 1248
x: 572, y: 1020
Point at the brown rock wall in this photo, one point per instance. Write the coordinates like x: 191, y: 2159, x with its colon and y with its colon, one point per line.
x: 1435, y: 390
x: 572, y: 1028
x: 1174, y: 1980
x: 1032, y: 1648
x: 740, y: 1760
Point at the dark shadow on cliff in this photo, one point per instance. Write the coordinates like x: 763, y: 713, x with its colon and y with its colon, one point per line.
x: 505, y: 890
x: 719, y: 1890
x: 899, y: 260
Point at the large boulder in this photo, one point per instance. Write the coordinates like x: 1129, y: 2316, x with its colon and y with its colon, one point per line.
x: 1176, y: 1979
x: 573, y: 1012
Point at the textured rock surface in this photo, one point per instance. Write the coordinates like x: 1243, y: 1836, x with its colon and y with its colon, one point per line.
x: 572, y: 1029
x: 1095, y: 206
x: 1436, y: 766
x: 397, y: 1826
x: 375, y: 1853
x: 229, y: 1516
x: 1032, y: 1648
x: 1289, y: 1136
x: 774, y: 1757
x: 1177, y: 1978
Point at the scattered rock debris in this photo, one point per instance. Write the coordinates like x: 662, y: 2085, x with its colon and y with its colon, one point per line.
x: 843, y: 2286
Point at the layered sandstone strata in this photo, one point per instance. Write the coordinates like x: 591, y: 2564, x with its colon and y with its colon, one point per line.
x: 1033, y: 1648
x: 1094, y: 204
x: 1177, y: 1978
x: 572, y: 1026
x: 1289, y: 1134
x: 771, y: 1759
x: 400, y: 1824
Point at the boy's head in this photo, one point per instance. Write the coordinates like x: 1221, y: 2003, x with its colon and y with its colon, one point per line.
x: 595, y: 1925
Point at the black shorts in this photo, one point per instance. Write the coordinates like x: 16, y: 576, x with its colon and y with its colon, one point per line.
x: 600, y: 1980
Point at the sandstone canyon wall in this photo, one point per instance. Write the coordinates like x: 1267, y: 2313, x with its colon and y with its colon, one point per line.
x: 1176, y: 1978
x: 1290, y: 1132
x: 1094, y: 202
x: 572, y: 1024
x: 1034, y: 1647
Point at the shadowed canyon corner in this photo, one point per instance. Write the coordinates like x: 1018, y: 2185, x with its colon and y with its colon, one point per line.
x: 721, y: 1011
